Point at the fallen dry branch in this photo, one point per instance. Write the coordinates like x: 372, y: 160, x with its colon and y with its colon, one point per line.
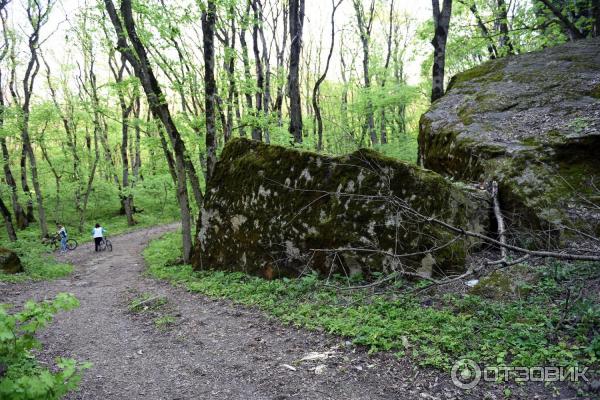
x: 534, y: 253
x: 500, y: 221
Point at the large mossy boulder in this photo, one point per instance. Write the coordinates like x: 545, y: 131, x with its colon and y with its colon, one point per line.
x: 531, y: 122
x: 277, y: 212
x: 10, y: 262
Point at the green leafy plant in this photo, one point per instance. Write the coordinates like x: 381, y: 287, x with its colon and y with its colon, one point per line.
x: 517, y: 332
x: 164, y: 322
x: 22, y: 378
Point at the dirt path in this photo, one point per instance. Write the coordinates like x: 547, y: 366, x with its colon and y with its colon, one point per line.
x: 215, y: 350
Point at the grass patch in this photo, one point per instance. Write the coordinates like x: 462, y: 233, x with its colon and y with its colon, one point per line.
x: 147, y: 302
x: 38, y: 264
x: 165, y: 322
x: 517, y: 332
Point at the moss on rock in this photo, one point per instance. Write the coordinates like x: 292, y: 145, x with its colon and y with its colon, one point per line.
x: 535, y: 130
x: 10, y: 262
x: 274, y: 211
x: 501, y: 286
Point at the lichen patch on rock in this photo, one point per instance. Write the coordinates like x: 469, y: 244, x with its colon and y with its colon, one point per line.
x: 330, y: 214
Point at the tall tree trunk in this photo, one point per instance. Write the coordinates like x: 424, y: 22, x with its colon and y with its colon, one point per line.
x: 90, y: 180
x: 505, y: 42
x: 365, y: 25
x: 229, y: 66
x: 296, y: 16
x: 137, y: 164
x: 55, y: 173
x: 248, y: 110
x: 315, y: 93
x: 280, y: 50
x: 136, y: 55
x: 126, y: 109
x: 344, y: 96
x: 267, y: 75
x: 441, y: 23
x: 67, y: 121
x: 21, y: 218
x: 37, y: 14
x: 257, y: 133
x: 388, y: 57
x: 210, y: 86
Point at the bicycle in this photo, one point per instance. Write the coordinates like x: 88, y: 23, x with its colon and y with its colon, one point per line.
x: 105, y: 244
x: 54, y: 243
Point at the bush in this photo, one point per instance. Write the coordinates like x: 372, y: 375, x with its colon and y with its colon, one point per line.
x: 21, y: 378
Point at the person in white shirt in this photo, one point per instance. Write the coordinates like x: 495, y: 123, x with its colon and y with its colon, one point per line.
x: 98, y: 234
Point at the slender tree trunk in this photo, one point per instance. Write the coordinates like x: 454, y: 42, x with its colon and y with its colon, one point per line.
x: 315, y: 94
x: 168, y: 155
x: 210, y: 86
x: 90, y: 180
x: 21, y: 218
x: 296, y: 16
x: 280, y: 50
x: 344, y: 96
x: 249, y: 109
x: 57, y: 177
x: 25, y: 186
x: 126, y: 109
x: 365, y: 25
x: 137, y: 164
x: 441, y: 21
x: 37, y: 14
x: 229, y: 66
x: 505, y: 41
x: 492, y: 50
x: 257, y: 133
x: 388, y: 57
x: 136, y: 55
x: 267, y: 76
x: 572, y: 31
x: 10, y: 229
x: 67, y: 121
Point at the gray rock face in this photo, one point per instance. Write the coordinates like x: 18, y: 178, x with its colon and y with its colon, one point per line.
x: 273, y: 211
x: 532, y: 122
x: 10, y: 262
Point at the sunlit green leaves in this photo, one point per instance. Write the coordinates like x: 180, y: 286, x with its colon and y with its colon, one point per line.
x: 24, y: 378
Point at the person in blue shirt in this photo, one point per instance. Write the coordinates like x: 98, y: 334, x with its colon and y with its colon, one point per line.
x: 62, y: 234
x: 98, y: 233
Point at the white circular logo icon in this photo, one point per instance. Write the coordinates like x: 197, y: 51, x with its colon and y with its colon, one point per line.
x: 465, y: 374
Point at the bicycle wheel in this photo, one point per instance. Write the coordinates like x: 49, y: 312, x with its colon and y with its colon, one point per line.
x: 71, y: 244
x: 108, y: 245
x: 102, y: 245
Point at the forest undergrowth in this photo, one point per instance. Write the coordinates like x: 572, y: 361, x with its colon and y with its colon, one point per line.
x: 550, y: 320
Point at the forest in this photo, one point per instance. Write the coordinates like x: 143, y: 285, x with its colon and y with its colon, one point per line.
x: 214, y: 127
